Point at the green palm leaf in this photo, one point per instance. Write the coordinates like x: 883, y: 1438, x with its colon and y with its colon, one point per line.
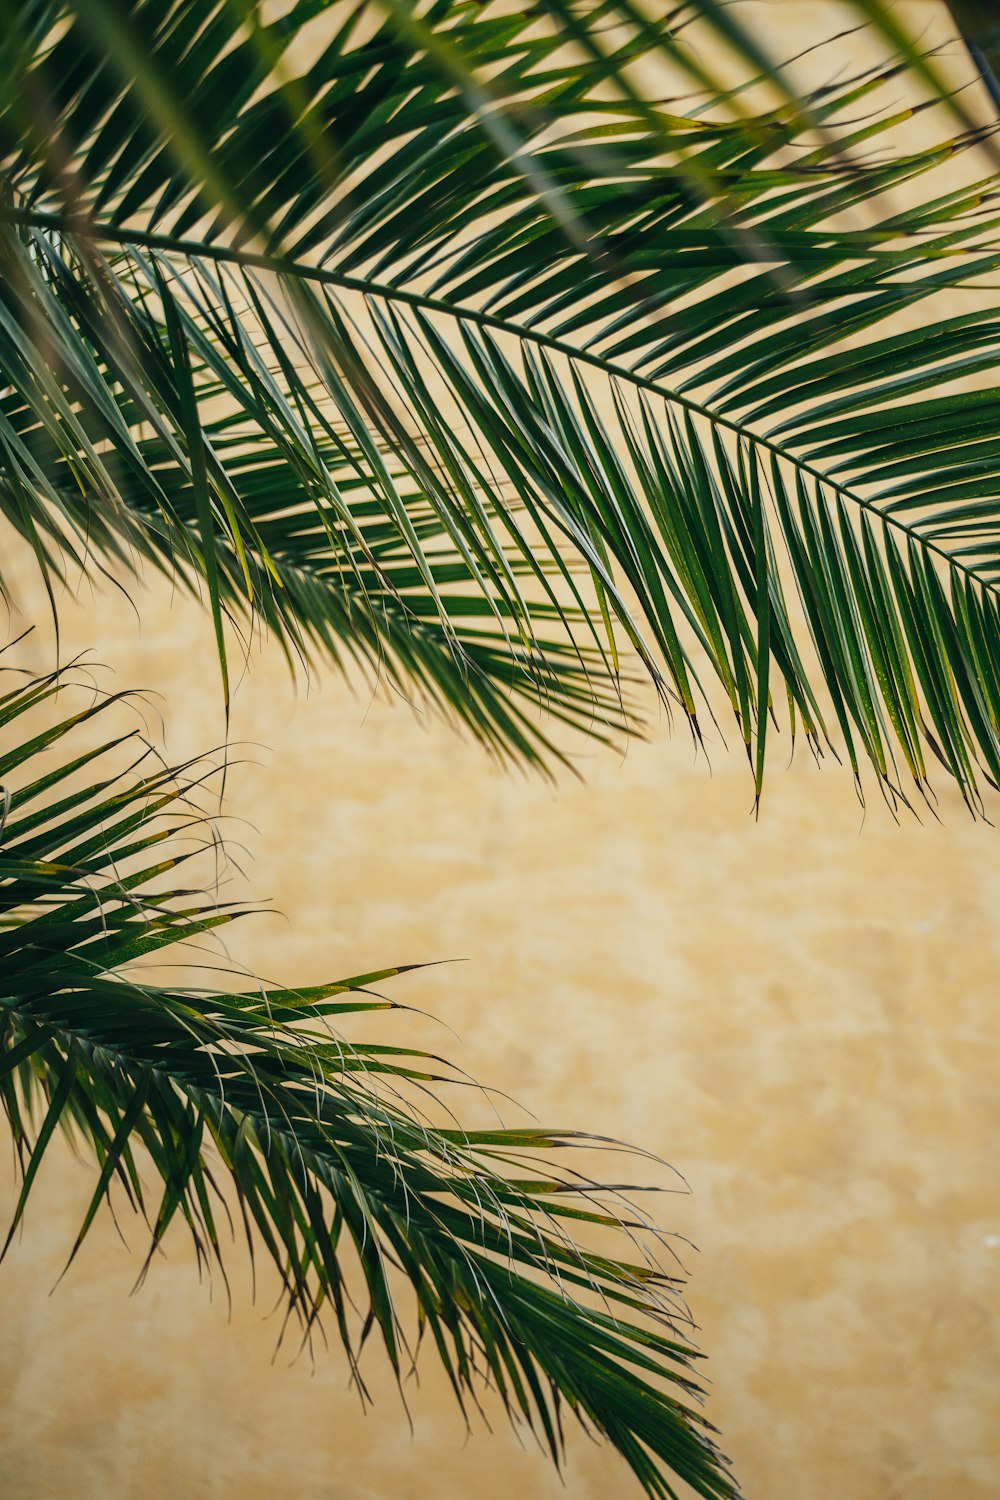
x: 489, y: 392
x: 338, y: 1177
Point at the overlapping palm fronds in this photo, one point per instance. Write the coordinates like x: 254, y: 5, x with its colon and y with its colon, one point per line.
x: 451, y: 348
x: 363, y: 1205
x: 439, y: 337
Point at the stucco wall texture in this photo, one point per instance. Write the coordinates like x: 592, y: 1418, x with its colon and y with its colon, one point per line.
x: 798, y: 1012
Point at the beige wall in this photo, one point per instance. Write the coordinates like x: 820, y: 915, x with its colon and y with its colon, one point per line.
x: 799, y: 1013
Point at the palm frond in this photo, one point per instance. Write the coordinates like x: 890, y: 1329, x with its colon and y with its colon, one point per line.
x: 255, y: 1098
x: 495, y: 391
x: 979, y: 27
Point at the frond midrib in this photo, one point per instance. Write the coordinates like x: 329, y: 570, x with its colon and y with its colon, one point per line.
x: 282, y: 266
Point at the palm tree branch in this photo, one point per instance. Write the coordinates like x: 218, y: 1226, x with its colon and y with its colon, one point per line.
x: 337, y: 1169
x: 613, y: 369
x: 764, y: 337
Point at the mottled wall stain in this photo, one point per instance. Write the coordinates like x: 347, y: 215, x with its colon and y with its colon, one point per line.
x: 799, y: 1013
